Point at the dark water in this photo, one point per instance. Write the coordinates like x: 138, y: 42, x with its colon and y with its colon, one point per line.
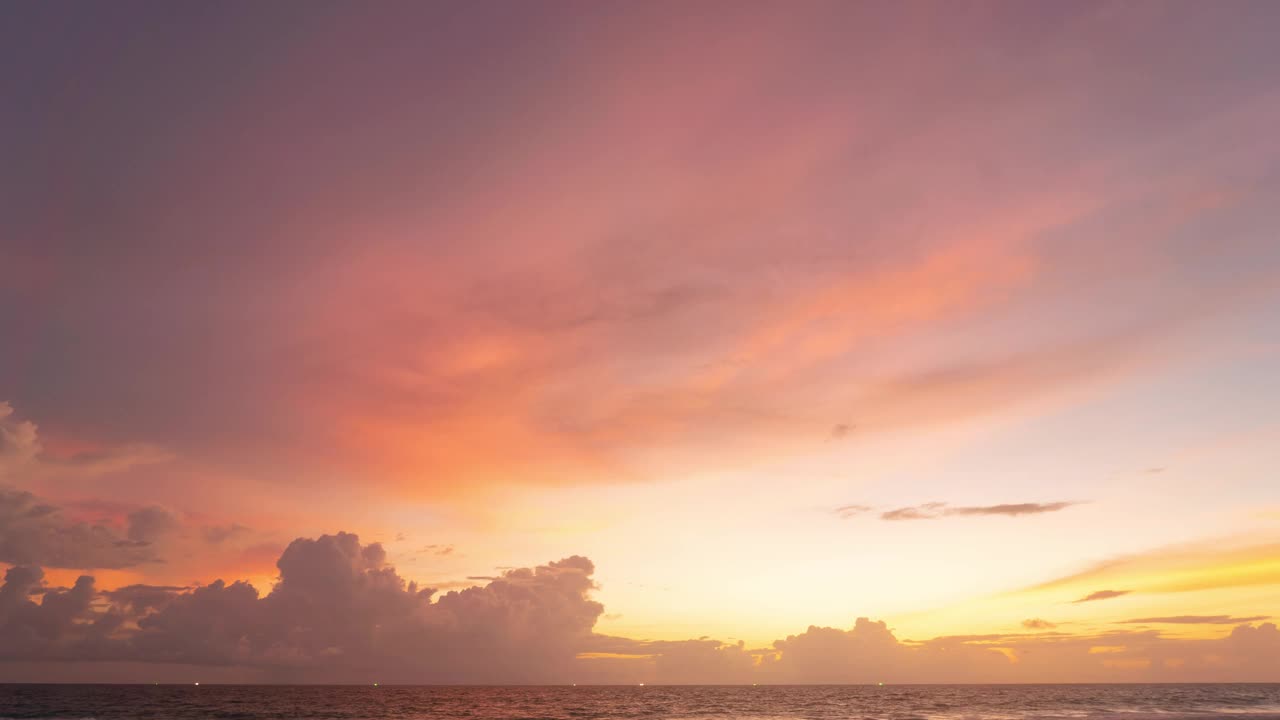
x: 902, y: 702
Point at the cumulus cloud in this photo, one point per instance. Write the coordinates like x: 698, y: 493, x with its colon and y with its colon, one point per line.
x: 869, y: 652
x: 1038, y: 624
x: 701, y: 661
x: 1102, y: 595
x: 340, y: 613
x: 56, y: 625
x: 932, y: 510
x: 1197, y: 620
x: 338, y: 607
x: 36, y: 533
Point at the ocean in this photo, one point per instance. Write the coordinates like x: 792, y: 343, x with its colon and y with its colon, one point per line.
x: 895, y: 702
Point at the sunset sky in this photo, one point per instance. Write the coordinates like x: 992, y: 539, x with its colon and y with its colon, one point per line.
x: 686, y: 333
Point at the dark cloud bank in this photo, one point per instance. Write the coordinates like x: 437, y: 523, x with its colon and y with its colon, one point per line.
x: 340, y: 613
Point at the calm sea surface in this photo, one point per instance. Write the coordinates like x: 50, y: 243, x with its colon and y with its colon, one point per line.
x: 1132, y: 702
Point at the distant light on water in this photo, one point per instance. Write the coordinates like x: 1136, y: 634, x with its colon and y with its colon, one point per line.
x: 1100, y: 702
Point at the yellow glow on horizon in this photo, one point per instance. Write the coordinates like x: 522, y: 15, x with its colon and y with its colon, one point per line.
x: 1188, y: 580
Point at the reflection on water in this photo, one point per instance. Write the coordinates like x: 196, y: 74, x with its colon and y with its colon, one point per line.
x: 902, y: 702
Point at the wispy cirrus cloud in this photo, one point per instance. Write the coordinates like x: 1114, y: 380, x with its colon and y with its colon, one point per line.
x: 748, y: 288
x: 935, y: 510
x: 927, y: 511
x: 106, y: 460
x: 1102, y: 595
x: 1196, y: 620
x: 1221, y: 562
x: 1011, y: 509
x: 23, y: 451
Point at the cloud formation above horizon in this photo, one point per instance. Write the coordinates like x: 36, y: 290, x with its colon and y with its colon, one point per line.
x: 783, y: 316
x: 36, y: 533
x: 340, y: 613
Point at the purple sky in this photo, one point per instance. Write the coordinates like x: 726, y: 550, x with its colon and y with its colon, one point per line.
x: 947, y: 315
